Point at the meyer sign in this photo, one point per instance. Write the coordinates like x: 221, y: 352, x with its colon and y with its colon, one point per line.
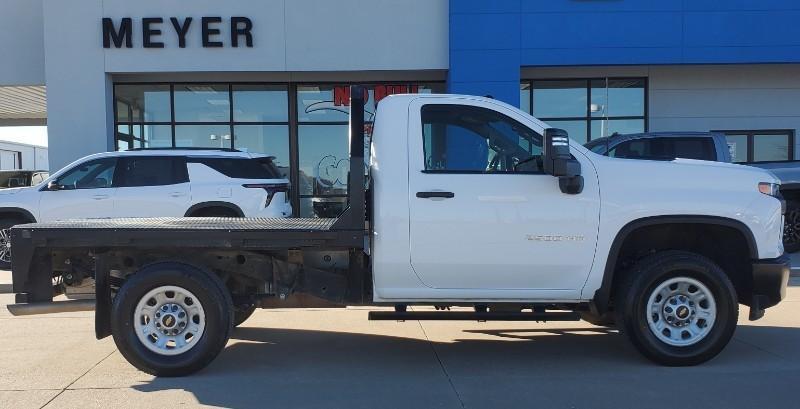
x: 121, y: 35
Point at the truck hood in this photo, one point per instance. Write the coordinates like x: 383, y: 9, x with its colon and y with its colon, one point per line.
x: 680, y: 176
x: 787, y: 172
x: 727, y: 165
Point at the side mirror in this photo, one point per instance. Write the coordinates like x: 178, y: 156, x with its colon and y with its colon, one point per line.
x: 53, y: 185
x: 558, y: 161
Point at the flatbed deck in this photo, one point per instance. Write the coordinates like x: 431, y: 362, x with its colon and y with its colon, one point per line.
x: 188, y: 224
x: 201, y: 232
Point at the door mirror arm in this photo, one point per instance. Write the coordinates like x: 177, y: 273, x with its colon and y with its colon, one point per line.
x: 558, y: 161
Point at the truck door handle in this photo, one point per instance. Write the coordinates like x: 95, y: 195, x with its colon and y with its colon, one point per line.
x: 177, y: 194
x: 431, y: 195
x: 100, y: 197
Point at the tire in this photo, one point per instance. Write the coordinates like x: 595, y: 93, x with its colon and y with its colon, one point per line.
x: 696, y: 327
x: 190, y: 287
x: 5, y: 241
x: 242, y: 313
x: 791, y: 227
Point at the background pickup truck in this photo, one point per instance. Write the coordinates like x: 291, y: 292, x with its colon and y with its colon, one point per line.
x: 706, y: 146
x: 467, y: 203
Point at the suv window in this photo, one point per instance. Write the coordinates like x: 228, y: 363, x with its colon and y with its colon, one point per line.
x: 461, y: 138
x: 152, y: 171
x: 666, y: 148
x: 94, y: 174
x: 242, y: 168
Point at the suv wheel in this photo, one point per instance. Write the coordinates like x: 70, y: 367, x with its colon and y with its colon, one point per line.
x: 5, y: 241
x: 677, y: 308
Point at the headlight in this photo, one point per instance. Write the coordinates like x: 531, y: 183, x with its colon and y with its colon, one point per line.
x: 770, y: 189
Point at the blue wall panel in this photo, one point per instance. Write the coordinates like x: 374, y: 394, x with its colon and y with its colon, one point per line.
x: 580, y: 31
x: 486, y: 31
x: 741, y: 28
x: 491, y: 40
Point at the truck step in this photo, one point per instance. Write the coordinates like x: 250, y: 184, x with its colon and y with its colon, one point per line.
x: 472, y: 316
x: 50, y: 307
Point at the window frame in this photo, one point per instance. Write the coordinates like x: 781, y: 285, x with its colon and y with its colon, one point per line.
x: 751, y: 133
x: 588, y: 118
x: 471, y: 172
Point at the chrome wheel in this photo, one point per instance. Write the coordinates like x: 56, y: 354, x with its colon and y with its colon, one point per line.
x: 681, y: 311
x: 5, y: 245
x: 169, y: 320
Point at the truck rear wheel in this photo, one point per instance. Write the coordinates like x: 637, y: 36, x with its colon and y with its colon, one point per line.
x: 171, y: 319
x: 677, y: 308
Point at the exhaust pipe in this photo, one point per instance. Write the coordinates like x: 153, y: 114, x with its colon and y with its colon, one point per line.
x: 50, y: 307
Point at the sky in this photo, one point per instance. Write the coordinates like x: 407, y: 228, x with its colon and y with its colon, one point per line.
x: 33, y: 135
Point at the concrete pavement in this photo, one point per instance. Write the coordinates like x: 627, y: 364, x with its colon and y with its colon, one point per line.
x: 315, y: 358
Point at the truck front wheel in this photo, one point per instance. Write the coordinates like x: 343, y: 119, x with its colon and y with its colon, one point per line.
x: 677, y: 308
x: 171, y: 319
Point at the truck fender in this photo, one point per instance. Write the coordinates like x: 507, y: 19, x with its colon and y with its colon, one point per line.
x: 602, y: 296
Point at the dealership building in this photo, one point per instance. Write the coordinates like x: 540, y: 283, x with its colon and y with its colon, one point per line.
x: 272, y: 76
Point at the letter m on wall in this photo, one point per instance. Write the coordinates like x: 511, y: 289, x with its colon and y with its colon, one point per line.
x: 117, y: 36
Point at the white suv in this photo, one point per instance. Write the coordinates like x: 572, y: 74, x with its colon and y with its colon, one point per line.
x: 150, y: 183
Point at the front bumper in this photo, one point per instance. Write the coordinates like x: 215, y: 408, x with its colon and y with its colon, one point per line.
x: 770, y: 279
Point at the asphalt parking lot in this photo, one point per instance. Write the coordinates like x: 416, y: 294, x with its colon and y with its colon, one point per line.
x: 315, y: 358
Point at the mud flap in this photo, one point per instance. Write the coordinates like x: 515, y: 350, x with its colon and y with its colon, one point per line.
x: 102, y: 313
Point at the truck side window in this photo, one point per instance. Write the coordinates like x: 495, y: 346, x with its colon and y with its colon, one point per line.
x: 462, y: 138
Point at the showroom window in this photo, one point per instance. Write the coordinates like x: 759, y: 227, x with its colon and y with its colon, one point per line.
x: 304, y: 126
x: 247, y: 117
x: 772, y: 145
x: 588, y: 108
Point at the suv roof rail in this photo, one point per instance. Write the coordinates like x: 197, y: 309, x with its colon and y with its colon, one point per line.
x: 191, y: 148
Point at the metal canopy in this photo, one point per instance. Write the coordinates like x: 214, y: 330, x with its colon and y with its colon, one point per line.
x: 21, y: 106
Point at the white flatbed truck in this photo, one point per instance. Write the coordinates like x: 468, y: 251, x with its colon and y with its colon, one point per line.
x: 466, y: 201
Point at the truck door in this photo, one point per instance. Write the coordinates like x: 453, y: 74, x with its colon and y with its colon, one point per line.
x: 483, y: 215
